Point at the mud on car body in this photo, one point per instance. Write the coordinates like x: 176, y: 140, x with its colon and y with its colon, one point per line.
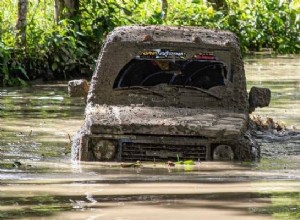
x: 162, y: 93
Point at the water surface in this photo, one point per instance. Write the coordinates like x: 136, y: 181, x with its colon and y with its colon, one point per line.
x: 37, y: 178
x: 282, y: 76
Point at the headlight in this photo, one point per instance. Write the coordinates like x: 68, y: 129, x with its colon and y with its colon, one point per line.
x: 104, y: 150
x: 223, y: 152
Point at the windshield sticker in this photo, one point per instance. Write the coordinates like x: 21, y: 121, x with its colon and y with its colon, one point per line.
x: 162, y: 54
x: 205, y: 56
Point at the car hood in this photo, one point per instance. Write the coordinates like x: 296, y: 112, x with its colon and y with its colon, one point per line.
x: 105, y: 119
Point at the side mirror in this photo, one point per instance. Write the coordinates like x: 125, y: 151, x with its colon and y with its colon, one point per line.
x: 259, y: 97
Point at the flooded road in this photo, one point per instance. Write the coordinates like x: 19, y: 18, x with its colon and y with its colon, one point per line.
x: 38, y: 180
x: 282, y: 76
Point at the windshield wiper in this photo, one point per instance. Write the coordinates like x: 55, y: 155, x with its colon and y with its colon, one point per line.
x: 142, y: 88
x: 198, y: 89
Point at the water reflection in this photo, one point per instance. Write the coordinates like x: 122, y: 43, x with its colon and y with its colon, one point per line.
x: 35, y: 128
x: 42, y: 101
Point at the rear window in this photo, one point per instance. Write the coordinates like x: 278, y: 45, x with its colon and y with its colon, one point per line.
x: 201, y: 71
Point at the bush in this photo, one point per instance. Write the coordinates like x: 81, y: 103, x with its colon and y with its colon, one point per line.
x: 69, y: 49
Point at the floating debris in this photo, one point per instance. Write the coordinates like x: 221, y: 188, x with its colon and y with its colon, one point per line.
x: 260, y: 123
x: 16, y: 164
x: 186, y: 162
x: 170, y: 164
x: 138, y: 164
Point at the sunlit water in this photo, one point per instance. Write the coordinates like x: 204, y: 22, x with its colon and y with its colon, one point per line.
x: 38, y: 180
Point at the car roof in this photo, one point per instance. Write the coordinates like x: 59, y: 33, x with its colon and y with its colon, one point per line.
x: 195, y: 35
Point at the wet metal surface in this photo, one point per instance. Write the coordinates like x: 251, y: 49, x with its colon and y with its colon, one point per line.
x: 38, y: 180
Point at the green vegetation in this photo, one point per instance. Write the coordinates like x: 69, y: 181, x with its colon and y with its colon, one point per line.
x: 62, y: 42
x: 284, y: 205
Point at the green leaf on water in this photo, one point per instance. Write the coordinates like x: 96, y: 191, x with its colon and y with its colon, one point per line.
x: 188, y: 162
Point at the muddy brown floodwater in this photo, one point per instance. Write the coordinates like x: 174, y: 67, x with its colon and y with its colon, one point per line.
x: 38, y: 180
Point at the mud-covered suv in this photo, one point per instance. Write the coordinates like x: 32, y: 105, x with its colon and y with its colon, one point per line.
x: 163, y: 93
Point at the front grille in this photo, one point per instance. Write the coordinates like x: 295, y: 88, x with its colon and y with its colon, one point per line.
x: 159, y: 152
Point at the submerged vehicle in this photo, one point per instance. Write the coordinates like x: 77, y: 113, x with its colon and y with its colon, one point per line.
x: 167, y: 93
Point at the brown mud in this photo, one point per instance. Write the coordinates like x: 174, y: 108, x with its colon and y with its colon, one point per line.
x: 35, y: 125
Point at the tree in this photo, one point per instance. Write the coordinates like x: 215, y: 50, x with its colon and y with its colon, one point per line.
x: 66, y: 9
x: 21, y: 23
x: 164, y: 9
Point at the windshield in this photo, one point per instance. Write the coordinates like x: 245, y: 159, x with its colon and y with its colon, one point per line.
x: 203, y: 74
